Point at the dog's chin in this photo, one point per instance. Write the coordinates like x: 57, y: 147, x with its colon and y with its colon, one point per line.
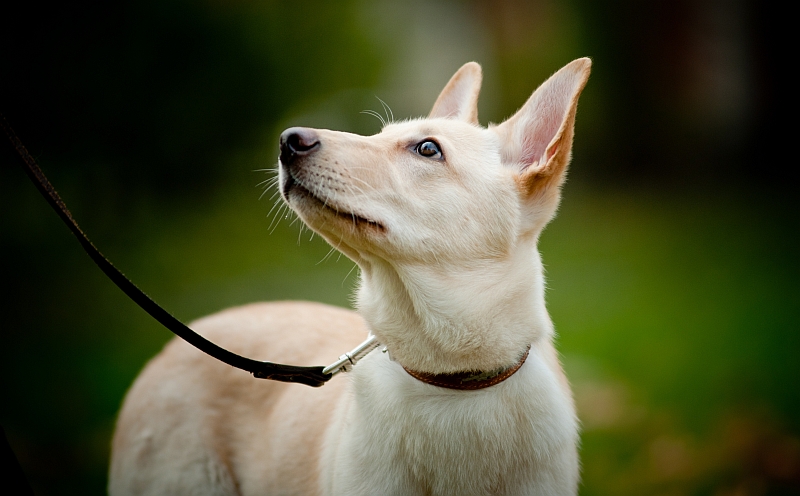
x: 305, y: 202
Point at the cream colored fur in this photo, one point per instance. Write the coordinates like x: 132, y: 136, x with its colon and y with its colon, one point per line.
x: 451, y: 280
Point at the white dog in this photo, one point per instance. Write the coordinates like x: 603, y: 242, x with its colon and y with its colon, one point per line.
x: 442, y: 216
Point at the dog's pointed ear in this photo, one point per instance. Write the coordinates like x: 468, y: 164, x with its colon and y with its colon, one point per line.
x: 538, y: 138
x: 459, y: 99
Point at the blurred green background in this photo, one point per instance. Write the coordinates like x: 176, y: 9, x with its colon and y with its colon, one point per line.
x: 672, y: 266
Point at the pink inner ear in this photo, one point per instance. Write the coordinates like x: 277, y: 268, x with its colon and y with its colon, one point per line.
x: 540, y: 132
x: 552, y: 152
x: 529, y: 152
x: 450, y: 107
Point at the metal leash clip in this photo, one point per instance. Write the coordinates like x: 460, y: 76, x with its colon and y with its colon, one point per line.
x: 345, y: 362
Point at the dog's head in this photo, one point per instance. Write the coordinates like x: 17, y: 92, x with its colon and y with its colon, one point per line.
x: 437, y: 211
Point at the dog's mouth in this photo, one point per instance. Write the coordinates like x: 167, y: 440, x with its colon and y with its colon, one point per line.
x: 293, y: 185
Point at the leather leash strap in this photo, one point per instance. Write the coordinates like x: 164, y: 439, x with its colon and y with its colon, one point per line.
x: 311, y: 376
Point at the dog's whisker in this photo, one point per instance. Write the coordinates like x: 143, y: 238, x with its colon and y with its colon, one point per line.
x: 293, y: 221
x: 278, y: 216
x: 270, y: 180
x: 386, y: 109
x: 379, y: 117
x: 368, y: 185
x: 267, y: 184
x: 275, y: 205
x: 338, y: 246
x: 272, y: 225
x: 327, y: 255
x: 376, y: 115
x: 266, y: 189
x: 274, y: 194
x: 348, y: 274
x: 352, y: 190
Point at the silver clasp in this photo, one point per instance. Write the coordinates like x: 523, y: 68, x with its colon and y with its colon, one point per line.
x: 345, y: 362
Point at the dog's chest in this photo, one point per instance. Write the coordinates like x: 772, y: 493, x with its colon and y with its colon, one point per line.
x: 414, y: 438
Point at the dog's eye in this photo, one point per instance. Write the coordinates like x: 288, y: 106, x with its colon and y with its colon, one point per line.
x: 429, y: 149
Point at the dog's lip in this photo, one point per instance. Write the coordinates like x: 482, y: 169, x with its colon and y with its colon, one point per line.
x: 292, y: 183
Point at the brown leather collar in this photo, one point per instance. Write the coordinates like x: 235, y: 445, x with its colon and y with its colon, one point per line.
x: 469, y: 380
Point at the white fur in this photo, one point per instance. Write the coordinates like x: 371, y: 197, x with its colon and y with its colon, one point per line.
x: 451, y: 280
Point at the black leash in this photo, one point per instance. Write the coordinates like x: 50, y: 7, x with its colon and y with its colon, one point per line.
x: 311, y: 376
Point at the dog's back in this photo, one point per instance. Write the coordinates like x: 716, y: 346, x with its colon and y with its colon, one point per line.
x: 193, y: 425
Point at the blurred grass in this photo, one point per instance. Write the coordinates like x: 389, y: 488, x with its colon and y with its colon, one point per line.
x: 678, y: 322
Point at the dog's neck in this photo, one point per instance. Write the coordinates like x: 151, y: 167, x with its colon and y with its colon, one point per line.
x: 444, y: 319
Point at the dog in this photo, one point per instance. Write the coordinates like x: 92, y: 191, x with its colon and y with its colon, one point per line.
x: 466, y: 395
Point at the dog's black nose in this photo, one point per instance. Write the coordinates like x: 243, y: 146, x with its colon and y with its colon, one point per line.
x: 297, y: 142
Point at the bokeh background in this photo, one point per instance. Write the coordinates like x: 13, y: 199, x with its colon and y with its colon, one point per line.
x: 672, y: 266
